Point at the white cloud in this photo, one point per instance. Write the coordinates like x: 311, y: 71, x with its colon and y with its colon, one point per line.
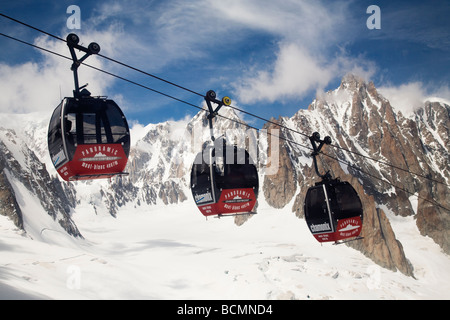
x: 306, y: 49
x: 409, y: 97
x: 153, y: 35
x: 39, y: 86
x: 405, y: 98
x: 311, y: 22
x: 295, y: 72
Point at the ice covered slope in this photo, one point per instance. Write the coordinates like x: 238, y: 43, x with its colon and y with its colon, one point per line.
x: 29, y: 195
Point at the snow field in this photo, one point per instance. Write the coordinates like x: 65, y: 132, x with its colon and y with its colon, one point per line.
x: 173, y: 252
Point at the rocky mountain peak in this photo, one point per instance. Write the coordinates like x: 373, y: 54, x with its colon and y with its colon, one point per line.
x: 352, y: 82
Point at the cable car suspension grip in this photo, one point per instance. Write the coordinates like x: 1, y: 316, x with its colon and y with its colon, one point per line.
x: 315, y: 138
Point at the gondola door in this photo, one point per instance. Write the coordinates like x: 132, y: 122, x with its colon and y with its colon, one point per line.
x: 236, y: 179
x: 348, y: 211
x: 318, y: 214
x: 203, y: 186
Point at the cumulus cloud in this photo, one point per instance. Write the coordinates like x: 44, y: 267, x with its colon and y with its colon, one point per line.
x: 305, y: 51
x: 298, y: 71
x: 40, y: 85
x: 153, y: 35
x: 294, y: 73
x: 407, y: 98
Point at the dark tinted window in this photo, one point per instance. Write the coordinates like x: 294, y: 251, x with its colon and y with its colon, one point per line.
x: 315, y: 204
x: 237, y: 172
x: 96, y: 121
x: 201, y: 181
x: 54, y: 129
x: 117, y: 122
x: 347, y: 200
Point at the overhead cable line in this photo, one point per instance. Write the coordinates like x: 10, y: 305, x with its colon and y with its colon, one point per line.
x: 201, y: 95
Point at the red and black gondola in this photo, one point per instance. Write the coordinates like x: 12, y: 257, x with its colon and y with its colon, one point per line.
x: 333, y: 209
x: 224, y: 179
x: 88, y: 137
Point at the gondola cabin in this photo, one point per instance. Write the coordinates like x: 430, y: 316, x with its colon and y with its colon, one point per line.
x: 88, y: 138
x: 224, y: 181
x: 333, y: 211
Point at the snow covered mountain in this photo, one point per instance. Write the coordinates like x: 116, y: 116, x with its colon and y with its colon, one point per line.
x: 359, y: 120
x: 25, y: 183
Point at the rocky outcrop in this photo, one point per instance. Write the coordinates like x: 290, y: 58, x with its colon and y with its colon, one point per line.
x: 379, y: 242
x: 170, y: 192
x: 8, y: 204
x: 280, y: 188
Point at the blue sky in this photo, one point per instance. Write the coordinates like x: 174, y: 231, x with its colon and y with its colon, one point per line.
x: 271, y: 57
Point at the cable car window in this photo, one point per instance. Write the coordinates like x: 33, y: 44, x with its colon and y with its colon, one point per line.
x: 89, y: 131
x: 54, y: 132
x: 102, y: 132
x: 316, y: 206
x: 55, y: 141
x: 70, y: 129
x: 71, y: 123
x: 348, y: 201
x: 241, y: 156
x: 220, y: 166
x: 119, y: 129
x: 200, y: 176
x: 239, y: 176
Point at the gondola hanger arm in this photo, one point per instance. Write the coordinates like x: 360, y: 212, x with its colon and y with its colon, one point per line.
x: 93, y: 48
x: 315, y: 138
x: 211, y: 97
